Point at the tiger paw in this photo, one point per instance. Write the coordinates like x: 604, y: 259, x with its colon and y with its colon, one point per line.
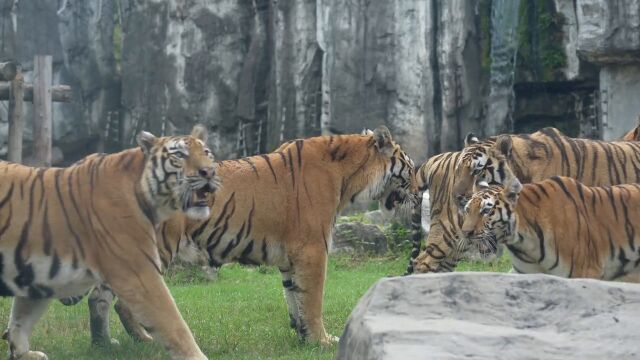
x: 329, y: 340
x: 33, y: 355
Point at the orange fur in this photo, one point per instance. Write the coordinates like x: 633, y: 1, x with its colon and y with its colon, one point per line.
x: 93, y: 222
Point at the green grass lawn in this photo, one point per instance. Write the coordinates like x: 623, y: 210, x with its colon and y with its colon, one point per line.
x: 242, y: 315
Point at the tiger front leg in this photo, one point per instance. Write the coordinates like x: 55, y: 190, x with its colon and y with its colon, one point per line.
x: 147, y: 296
x: 309, y: 272
x: 25, y: 313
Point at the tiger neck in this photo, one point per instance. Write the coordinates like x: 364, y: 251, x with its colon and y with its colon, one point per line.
x: 363, y: 176
x: 527, y: 233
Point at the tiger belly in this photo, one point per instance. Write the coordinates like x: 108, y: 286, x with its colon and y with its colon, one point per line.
x: 40, y: 277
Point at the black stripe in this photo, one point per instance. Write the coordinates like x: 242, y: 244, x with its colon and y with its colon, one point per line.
x: 55, y: 266
x: 266, y: 158
x: 299, y: 145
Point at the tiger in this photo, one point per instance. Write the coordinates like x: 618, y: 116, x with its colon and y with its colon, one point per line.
x: 279, y: 209
x: 65, y: 230
x: 633, y: 134
x: 437, y: 176
x: 533, y: 157
x: 558, y: 226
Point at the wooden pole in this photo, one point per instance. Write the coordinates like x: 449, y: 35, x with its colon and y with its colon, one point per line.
x: 16, y: 120
x: 8, y: 71
x: 59, y: 93
x: 43, y: 120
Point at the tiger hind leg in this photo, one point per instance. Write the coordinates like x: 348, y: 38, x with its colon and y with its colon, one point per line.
x: 309, y: 270
x: 25, y: 313
x: 131, y: 325
x: 290, y: 290
x: 100, y: 301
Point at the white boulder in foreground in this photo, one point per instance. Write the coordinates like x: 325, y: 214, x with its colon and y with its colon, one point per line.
x: 494, y: 316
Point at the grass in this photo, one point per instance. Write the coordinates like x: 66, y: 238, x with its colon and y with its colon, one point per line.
x: 242, y: 315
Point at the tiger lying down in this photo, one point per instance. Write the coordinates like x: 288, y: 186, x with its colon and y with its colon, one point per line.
x: 65, y: 230
x: 279, y: 209
x: 558, y: 226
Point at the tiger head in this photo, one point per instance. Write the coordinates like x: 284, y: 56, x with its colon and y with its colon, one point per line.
x: 180, y: 172
x: 397, y: 188
x: 483, y: 162
x: 489, y: 218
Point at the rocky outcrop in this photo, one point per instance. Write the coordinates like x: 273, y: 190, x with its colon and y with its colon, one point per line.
x: 493, y: 316
x: 358, y: 237
x: 609, y: 31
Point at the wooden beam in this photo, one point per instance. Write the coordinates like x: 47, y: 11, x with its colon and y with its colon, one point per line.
x: 16, y: 119
x: 43, y: 120
x: 8, y: 71
x: 59, y: 93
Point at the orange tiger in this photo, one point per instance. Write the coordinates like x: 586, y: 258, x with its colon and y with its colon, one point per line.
x: 533, y: 157
x: 279, y: 209
x: 66, y: 229
x: 558, y: 226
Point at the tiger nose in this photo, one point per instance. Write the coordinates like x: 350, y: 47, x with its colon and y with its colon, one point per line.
x: 207, y: 172
x: 467, y: 233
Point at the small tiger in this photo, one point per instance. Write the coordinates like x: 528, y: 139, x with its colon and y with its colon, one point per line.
x: 65, y: 230
x: 279, y: 209
x: 558, y: 226
x: 532, y: 157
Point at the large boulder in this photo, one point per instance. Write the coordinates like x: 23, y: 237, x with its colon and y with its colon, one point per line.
x: 493, y: 316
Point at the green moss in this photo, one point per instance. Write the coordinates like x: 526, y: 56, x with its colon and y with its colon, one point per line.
x: 485, y: 34
x: 541, y: 56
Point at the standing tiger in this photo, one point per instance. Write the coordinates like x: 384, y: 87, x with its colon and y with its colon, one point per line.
x: 66, y: 229
x: 279, y: 209
x: 532, y: 158
x: 558, y: 226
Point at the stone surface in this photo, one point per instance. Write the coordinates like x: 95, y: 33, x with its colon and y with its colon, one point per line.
x: 619, y: 85
x: 358, y: 237
x: 375, y: 217
x: 493, y: 316
x: 608, y: 31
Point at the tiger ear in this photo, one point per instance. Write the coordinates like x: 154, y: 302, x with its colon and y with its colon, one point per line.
x: 470, y: 139
x: 504, y: 144
x: 199, y: 131
x: 146, y: 140
x: 512, y: 190
x: 383, y: 141
x: 480, y: 185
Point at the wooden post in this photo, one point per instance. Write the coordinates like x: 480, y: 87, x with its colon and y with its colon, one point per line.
x: 16, y: 120
x: 59, y: 93
x: 42, y: 121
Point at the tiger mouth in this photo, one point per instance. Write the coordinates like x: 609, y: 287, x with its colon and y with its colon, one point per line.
x: 199, y: 197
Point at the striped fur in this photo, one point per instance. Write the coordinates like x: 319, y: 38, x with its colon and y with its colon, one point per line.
x: 279, y: 209
x: 66, y: 229
x: 560, y: 227
x: 531, y: 158
x: 438, y: 175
